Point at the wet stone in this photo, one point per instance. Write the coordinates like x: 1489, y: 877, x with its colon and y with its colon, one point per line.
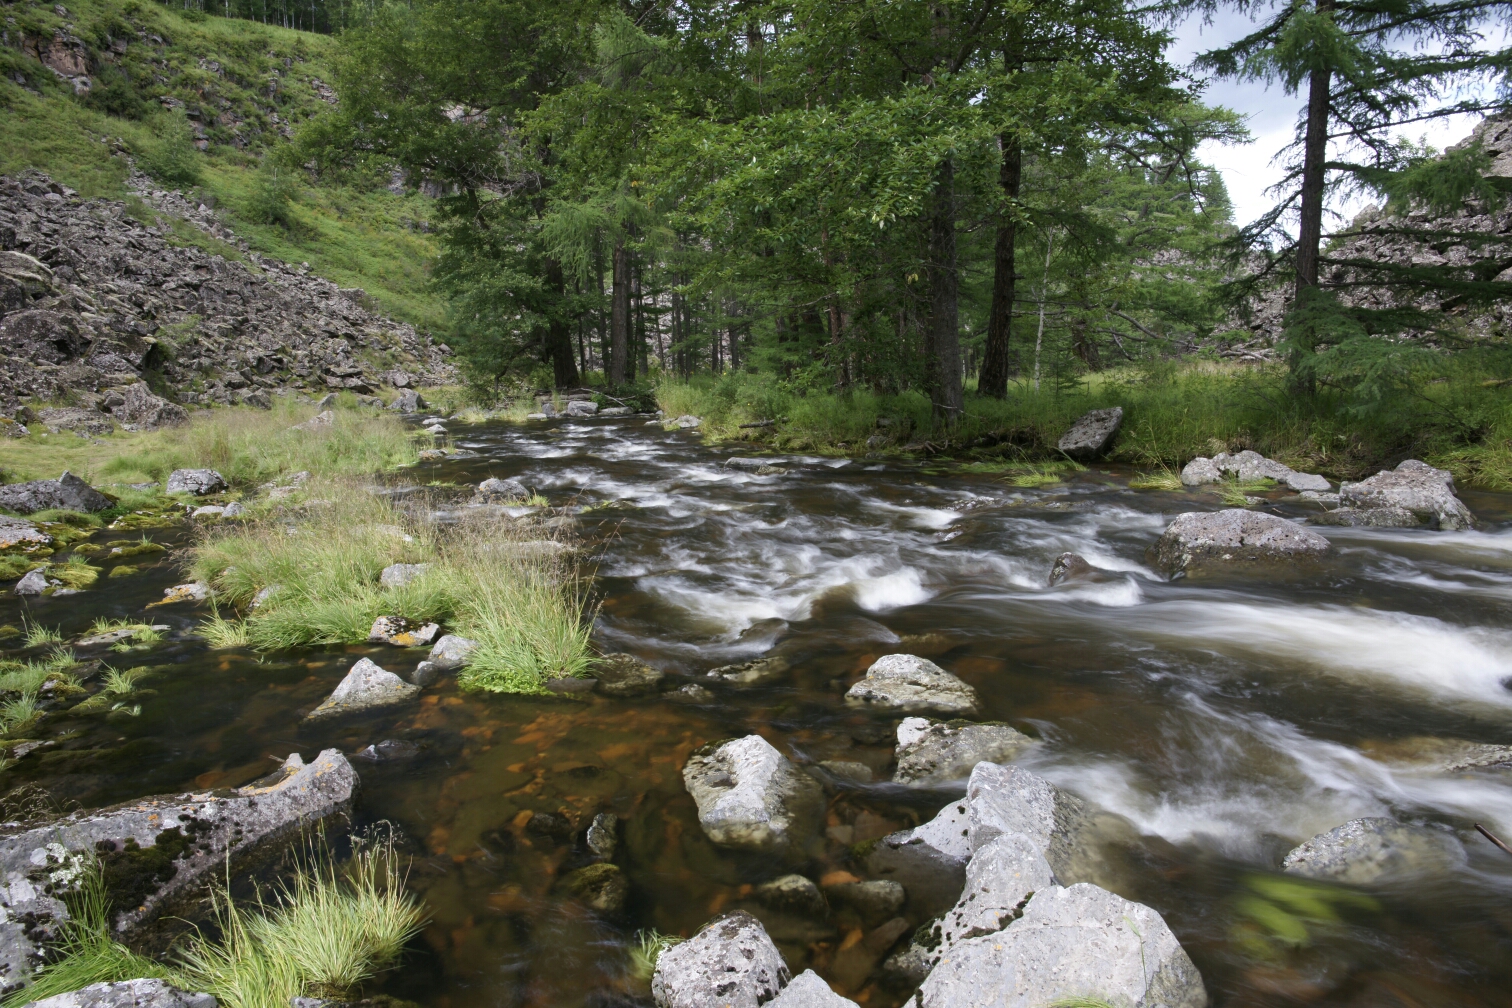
x: 1204, y: 538
x: 451, y: 652
x: 1366, y: 851
x: 1069, y: 567
x: 366, y: 687
x: 602, y: 835
x: 601, y: 887
x: 751, y: 798
x: 913, y: 685
x: 388, y: 751
x: 949, y: 750
x: 793, y: 893
x: 760, y: 672
x: 623, y: 675
x: 874, y: 900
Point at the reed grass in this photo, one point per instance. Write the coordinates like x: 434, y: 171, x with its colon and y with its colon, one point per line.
x: 522, y: 605
x: 36, y: 635
x: 646, y: 949
x: 220, y: 632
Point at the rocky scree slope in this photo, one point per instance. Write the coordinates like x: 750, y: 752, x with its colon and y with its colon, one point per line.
x: 1376, y: 241
x: 97, y: 301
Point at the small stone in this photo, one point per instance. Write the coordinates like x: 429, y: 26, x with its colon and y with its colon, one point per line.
x: 425, y: 673
x: 402, y: 632
x: 388, y: 751
x: 451, y: 652
x: 1069, y: 567
x: 602, y: 836
x: 500, y: 491
x: 366, y: 687
x: 196, y: 481
x: 208, y: 511
x: 949, y: 751
x: 808, y: 990
x: 194, y: 591
x: 398, y: 575
x: 1200, y: 472
x: 32, y: 583
x: 265, y: 595
x: 875, y: 901
x: 150, y: 993
x: 793, y: 893
x: 753, y: 673
x: 750, y: 797
x: 848, y: 770
x: 686, y: 421
x: 601, y: 887
x: 692, y: 693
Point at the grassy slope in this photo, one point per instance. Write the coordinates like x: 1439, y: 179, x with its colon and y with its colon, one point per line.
x: 356, y: 235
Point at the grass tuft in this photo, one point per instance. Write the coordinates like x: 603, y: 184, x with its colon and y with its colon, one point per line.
x: 647, y: 948
x: 1163, y: 478
x: 36, y: 635
x: 220, y: 632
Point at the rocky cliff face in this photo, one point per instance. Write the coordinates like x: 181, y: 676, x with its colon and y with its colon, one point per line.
x: 93, y: 301
x: 1372, y: 237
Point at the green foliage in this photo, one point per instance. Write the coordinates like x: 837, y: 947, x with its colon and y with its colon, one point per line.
x: 645, y: 949
x: 171, y: 157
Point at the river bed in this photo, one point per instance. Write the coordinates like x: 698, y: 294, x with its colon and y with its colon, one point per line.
x: 1227, y: 718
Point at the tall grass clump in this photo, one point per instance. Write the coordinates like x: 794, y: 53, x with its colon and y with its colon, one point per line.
x: 502, y: 582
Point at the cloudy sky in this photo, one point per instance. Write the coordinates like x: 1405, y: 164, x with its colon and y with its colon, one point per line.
x: 1249, y: 169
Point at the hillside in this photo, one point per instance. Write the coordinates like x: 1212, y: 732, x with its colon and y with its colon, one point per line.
x: 207, y: 105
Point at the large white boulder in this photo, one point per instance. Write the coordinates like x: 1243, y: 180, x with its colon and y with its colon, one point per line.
x: 750, y: 797
x: 912, y: 685
x: 1206, y: 538
x: 1413, y: 486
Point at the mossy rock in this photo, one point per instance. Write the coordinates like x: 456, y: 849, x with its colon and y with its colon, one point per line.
x: 8, y: 631
x: 135, y: 549
x: 88, y: 549
x: 123, y: 571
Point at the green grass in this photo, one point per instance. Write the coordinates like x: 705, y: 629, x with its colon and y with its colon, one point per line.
x: 321, y: 935
x: 646, y: 948
x: 522, y: 606
x: 1236, y: 492
x: 1163, y: 478
x: 246, y: 445
x: 1174, y: 412
x: 36, y: 634
x: 220, y: 632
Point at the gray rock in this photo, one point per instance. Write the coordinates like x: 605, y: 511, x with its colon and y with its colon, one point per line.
x: 1348, y: 517
x: 425, y: 673
x: 208, y: 511
x: 398, y: 575
x: 320, y: 421
x: 451, y: 652
x: 500, y: 491
x: 913, y: 685
x: 1251, y: 465
x: 731, y: 963
x: 947, y: 751
x: 147, y: 411
x: 875, y: 900
x: 1091, y: 435
x: 1070, y: 567
x: 1307, y: 482
x: 70, y: 418
x: 194, y: 591
x: 929, y: 861
x: 408, y: 401
x: 1000, y: 877
x: 67, y: 491
x: 1200, y: 472
x: 692, y: 693
x: 231, y: 830
x: 602, y: 835
x: 366, y: 687
x: 1202, y: 538
x: 581, y: 408
x: 388, y: 751
x: 265, y: 595
x: 234, y: 510
x: 128, y: 994
x: 195, y: 481
x: 401, y: 632
x: 753, y: 673
x: 849, y: 770
x: 686, y: 421
x: 1412, y: 486
x: 751, y: 798
x: 33, y: 583
x: 1365, y: 851
x: 20, y: 532
x: 808, y: 990
x: 624, y: 675
x: 1082, y: 941
x: 616, y: 411
x: 793, y: 893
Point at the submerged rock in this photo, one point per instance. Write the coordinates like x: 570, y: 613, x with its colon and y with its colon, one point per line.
x: 875, y: 900
x: 160, y: 854
x: 1363, y: 851
x: 67, y: 492
x: 195, y: 481
x: 731, y: 963
x: 794, y: 893
x: 623, y: 675
x: 1070, y: 567
x: 928, y: 861
x: 1412, y: 486
x: 1081, y: 941
x: 913, y: 685
x: 751, y: 798
x: 602, y: 887
x: 366, y: 687
x: 151, y: 993
x: 388, y: 751
x: 1091, y: 435
x: 947, y: 751
x: 753, y: 673
x: 602, y: 835
x: 1201, y: 538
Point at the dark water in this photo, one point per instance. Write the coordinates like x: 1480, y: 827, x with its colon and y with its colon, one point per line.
x: 1228, y: 720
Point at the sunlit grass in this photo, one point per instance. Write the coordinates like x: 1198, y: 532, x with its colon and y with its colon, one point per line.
x: 646, y: 949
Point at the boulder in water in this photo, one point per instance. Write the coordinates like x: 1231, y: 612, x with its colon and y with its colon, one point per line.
x: 751, y: 798
x: 451, y: 651
x: 753, y: 673
x: 731, y: 962
x: 1248, y: 465
x: 1348, y: 517
x: 1412, y: 486
x: 1070, y: 567
x: 581, y: 408
x: 1202, y: 538
x: 601, y: 887
x: 624, y: 675
x: 948, y: 750
x: 1363, y: 851
x: 808, y: 990
x: 912, y: 685
x: 928, y: 861
x: 1091, y: 435
x: 794, y: 893
x: 874, y: 900
x: 366, y: 687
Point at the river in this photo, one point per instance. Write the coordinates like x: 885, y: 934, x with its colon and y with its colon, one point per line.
x: 1227, y: 718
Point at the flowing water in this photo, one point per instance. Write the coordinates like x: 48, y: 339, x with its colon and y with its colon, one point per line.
x: 1227, y: 718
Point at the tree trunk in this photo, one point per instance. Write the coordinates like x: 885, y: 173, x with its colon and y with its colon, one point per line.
x: 619, y: 314
x: 997, y: 356
x: 564, y: 370
x: 944, y: 282
x: 1310, y: 225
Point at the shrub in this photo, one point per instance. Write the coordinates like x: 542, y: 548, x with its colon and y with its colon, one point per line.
x: 171, y: 157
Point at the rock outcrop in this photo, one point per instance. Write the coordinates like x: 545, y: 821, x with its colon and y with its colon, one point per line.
x: 67, y: 491
x: 159, y: 854
x: 1092, y: 434
x: 92, y: 300
x: 1364, y: 851
x: 1413, y: 489
x: 750, y: 797
x: 909, y: 684
x: 1200, y: 539
x: 731, y: 962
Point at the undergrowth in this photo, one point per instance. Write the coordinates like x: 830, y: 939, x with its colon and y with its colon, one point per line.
x: 489, y: 579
